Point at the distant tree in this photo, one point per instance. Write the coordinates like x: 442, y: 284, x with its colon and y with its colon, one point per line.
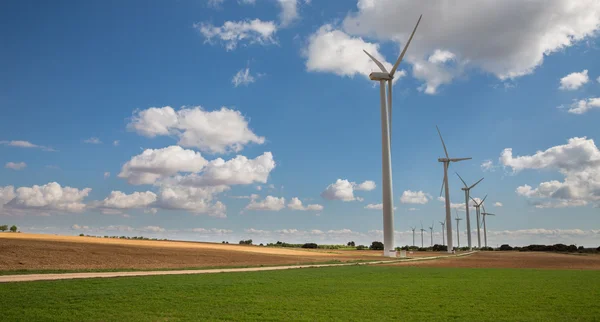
x: 261, y: 244
x: 351, y: 244
x: 4, y: 228
x: 13, y: 228
x: 572, y: 248
x: 505, y: 247
x: 246, y: 242
x: 81, y: 234
x: 363, y: 247
x: 376, y: 245
x: 310, y: 245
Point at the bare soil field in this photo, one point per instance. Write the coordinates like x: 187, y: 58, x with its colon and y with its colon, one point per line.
x: 38, y: 251
x: 498, y: 259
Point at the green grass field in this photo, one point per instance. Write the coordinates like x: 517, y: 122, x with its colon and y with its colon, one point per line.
x: 341, y: 293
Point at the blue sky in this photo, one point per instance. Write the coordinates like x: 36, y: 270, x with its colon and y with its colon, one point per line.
x: 74, y: 71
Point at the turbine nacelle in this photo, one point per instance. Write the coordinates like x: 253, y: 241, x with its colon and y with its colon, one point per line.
x: 379, y: 76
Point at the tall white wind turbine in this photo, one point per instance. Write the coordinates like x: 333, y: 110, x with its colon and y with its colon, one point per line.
x: 446, y: 162
x: 484, y: 213
x: 386, y: 157
x: 443, y: 223
x: 422, y: 230
x: 467, y: 190
x: 413, y: 229
x: 477, y: 210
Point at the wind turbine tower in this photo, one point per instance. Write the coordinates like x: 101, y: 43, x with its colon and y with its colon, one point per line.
x: 422, y: 230
x: 467, y: 190
x: 443, y: 223
x: 457, y: 230
x: 484, y: 213
x: 386, y: 157
x: 413, y: 229
x: 431, y: 232
x: 477, y: 206
x: 446, y: 162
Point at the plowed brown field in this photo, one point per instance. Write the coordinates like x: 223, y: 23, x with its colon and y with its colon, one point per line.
x: 514, y: 260
x: 37, y: 251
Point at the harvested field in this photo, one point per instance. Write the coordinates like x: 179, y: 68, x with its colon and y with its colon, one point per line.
x: 515, y: 260
x: 36, y: 251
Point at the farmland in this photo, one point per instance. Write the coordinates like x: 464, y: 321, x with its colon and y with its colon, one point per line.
x: 339, y: 293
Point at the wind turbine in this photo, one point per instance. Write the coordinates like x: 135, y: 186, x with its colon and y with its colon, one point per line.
x: 386, y: 157
x: 431, y: 232
x: 422, y: 230
x: 484, y: 213
x: 457, y: 232
x: 443, y: 237
x: 446, y: 162
x: 467, y: 190
x: 477, y: 205
x: 413, y: 229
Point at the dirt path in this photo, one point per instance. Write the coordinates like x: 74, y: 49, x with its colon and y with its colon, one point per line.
x: 63, y: 276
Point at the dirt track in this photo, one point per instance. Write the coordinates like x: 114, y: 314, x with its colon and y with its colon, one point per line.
x: 515, y: 260
x: 36, y: 251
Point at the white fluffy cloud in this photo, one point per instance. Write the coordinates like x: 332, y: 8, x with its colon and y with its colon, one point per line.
x: 578, y: 161
x: 92, y: 140
x: 368, y: 185
x: 27, y: 145
x: 574, y: 81
x: 582, y: 106
x: 344, y: 190
x: 414, y: 197
x: 192, y: 199
x: 242, y: 77
x: 296, y: 204
x: 218, y: 131
x: 498, y: 204
x: 378, y: 206
x: 50, y: 197
x: 289, y: 11
x: 487, y: 165
x: 154, y: 164
x: 480, y: 36
x: 270, y: 203
x: 333, y: 51
x: 121, y: 200
x: 15, y: 165
x: 237, y: 171
x: 233, y: 32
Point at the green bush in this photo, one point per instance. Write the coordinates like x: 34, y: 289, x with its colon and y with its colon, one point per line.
x: 13, y: 228
x: 310, y: 245
x: 363, y: 247
x: 4, y: 228
x: 376, y: 245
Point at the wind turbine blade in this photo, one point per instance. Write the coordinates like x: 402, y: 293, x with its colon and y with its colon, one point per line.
x: 442, y: 188
x: 444, y: 144
x: 482, y: 206
x: 461, y: 179
x: 460, y: 159
x: 379, y: 64
x: 474, y: 201
x: 475, y: 183
x: 483, y: 199
x: 405, y: 48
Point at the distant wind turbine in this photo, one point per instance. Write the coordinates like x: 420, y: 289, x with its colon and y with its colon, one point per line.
x: 431, y: 232
x: 477, y: 205
x: 484, y: 213
x: 467, y: 190
x: 443, y: 223
x: 446, y: 162
x: 386, y: 157
x: 422, y: 230
x: 413, y: 229
x: 457, y: 231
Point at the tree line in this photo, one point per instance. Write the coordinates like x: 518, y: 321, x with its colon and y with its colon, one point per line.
x: 12, y: 228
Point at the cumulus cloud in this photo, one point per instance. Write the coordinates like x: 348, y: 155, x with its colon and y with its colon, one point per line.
x: 344, y: 190
x: 486, y: 42
x: 487, y: 165
x: 15, y: 165
x: 498, y: 204
x: 154, y: 164
x: 333, y: 51
x: 92, y: 140
x: 242, y: 77
x: 270, y: 203
x: 378, y: 206
x: 218, y: 131
x: 27, y: 145
x: 198, y: 200
x: 121, y: 200
x: 414, y: 197
x: 237, y: 171
x: 50, y: 197
x: 233, y: 32
x: 289, y: 11
x: 296, y: 204
x: 578, y: 161
x: 574, y: 81
x: 582, y: 106
x: 212, y: 231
